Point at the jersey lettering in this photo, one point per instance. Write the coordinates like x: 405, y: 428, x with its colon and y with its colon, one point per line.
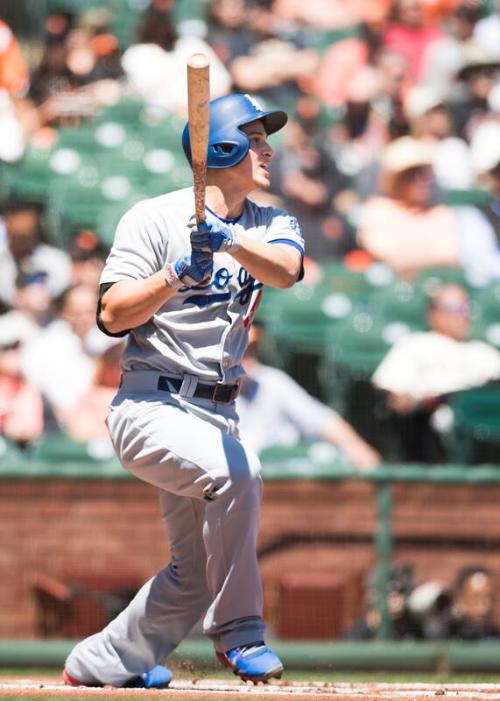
x: 220, y: 281
x: 221, y: 278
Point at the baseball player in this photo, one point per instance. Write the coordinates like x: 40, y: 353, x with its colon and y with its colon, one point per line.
x: 186, y: 294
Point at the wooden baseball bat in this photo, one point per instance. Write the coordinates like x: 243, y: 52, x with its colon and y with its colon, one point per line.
x: 199, y: 119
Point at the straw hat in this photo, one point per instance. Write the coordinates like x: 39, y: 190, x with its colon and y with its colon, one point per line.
x: 474, y: 57
x: 405, y: 153
x: 422, y: 99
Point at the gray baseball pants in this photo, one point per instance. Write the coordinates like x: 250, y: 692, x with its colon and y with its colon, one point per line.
x: 210, y: 493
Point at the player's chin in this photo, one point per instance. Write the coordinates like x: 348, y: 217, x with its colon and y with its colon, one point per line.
x: 262, y: 181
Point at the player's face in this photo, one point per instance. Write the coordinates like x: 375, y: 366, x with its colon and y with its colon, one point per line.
x: 254, y: 168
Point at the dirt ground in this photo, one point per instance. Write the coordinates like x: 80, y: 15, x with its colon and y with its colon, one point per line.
x: 208, y: 689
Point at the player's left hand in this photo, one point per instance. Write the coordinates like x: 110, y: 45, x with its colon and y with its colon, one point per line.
x: 213, y: 235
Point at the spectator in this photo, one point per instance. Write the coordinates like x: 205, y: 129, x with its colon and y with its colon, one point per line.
x: 14, y: 111
x: 61, y: 360
x: 410, y: 34
x: 485, y: 148
x: 31, y: 304
x: 343, y: 62
x: 373, y: 116
x: 53, y: 75
x: 403, y: 624
x: 309, y: 181
x: 14, y: 76
x: 478, y: 76
x: 328, y: 15
x: 444, y: 58
x: 275, y: 410
x: 422, y: 367
x: 24, y: 253
x: 432, y: 123
x: 155, y: 67
x: 21, y: 406
x: 405, y: 230
x: 229, y: 32
x: 87, y: 258
x: 474, y: 598
x: 79, y: 69
x: 430, y: 606
x: 87, y: 420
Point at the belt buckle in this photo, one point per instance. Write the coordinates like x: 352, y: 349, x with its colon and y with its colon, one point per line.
x: 224, y: 393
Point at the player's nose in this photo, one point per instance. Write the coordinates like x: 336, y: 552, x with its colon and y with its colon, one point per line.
x: 267, y: 150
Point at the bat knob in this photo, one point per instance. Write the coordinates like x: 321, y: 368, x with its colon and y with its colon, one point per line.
x: 198, y: 60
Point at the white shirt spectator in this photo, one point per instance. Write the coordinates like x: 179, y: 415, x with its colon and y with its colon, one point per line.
x: 487, y: 34
x: 44, y: 259
x: 275, y: 410
x: 58, y: 364
x: 451, y: 164
x: 159, y: 76
x: 430, y: 364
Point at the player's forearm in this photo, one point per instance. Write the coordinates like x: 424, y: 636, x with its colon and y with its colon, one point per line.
x: 131, y: 303
x: 277, y: 265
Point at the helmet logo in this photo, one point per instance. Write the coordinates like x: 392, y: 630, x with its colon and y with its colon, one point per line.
x: 254, y: 102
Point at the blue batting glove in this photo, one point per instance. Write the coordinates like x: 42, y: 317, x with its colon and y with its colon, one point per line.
x: 191, y: 269
x: 213, y: 235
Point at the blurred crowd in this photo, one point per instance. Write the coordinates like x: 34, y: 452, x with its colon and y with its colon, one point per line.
x: 391, y: 155
x: 463, y: 609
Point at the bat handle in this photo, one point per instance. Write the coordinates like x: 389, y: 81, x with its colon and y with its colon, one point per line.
x: 200, y: 183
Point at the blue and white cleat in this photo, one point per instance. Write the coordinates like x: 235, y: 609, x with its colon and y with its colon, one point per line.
x: 157, y: 678
x: 254, y: 662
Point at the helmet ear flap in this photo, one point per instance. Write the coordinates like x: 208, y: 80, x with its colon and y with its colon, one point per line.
x: 224, y: 148
x: 227, y: 153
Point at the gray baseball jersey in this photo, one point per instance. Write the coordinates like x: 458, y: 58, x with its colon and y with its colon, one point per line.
x: 201, y: 330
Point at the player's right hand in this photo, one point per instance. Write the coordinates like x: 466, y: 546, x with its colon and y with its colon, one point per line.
x: 191, y: 269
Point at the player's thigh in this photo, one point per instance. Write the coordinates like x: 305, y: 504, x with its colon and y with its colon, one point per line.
x: 167, y: 446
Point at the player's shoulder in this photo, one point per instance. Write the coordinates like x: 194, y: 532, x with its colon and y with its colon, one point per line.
x: 178, y: 199
x: 266, y: 214
x: 156, y: 212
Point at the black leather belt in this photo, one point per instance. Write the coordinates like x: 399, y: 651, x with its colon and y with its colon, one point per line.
x: 218, y: 392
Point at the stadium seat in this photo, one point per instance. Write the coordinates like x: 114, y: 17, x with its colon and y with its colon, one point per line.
x: 353, y: 349
x: 475, y: 436
x: 76, y: 203
x: 297, y: 324
x: 429, y: 279
x: 400, y: 302
x: 29, y: 177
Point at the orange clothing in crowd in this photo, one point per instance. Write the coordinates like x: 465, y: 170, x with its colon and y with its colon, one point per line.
x: 408, y: 239
x: 14, y: 75
x: 21, y: 409
x: 437, y: 10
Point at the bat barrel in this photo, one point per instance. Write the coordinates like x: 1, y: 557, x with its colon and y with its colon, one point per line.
x: 199, y: 120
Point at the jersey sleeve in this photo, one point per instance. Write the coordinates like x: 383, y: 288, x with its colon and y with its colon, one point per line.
x: 284, y: 228
x: 139, y: 248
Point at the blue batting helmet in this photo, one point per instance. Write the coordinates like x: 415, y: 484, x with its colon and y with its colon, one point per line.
x: 227, y: 143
